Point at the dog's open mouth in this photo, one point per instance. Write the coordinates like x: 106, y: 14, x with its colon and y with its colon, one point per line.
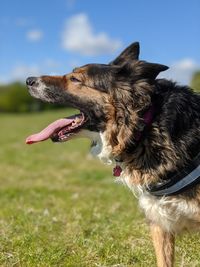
x: 60, y: 130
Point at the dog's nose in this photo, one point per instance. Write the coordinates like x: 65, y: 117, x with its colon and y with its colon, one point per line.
x: 31, y: 81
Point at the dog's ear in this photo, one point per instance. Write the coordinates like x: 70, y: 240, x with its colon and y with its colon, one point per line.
x: 129, y: 54
x: 141, y: 70
x: 148, y: 70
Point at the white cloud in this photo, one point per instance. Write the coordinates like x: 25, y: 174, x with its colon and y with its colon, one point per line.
x: 34, y: 35
x: 78, y: 36
x: 181, y: 71
x: 19, y: 73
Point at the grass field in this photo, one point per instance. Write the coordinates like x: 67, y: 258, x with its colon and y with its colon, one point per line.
x: 60, y: 207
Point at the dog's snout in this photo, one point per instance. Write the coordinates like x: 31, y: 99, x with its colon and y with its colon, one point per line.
x: 31, y: 81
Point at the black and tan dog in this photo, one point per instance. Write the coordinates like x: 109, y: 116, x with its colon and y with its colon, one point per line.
x: 149, y: 128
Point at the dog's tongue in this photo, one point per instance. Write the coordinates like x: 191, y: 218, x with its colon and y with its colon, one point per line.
x: 49, y: 130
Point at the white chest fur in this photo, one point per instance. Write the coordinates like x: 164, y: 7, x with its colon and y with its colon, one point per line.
x: 173, y: 214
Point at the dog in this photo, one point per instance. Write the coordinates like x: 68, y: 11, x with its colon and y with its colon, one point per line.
x: 149, y: 128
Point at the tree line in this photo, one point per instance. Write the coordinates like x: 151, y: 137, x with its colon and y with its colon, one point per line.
x: 16, y: 98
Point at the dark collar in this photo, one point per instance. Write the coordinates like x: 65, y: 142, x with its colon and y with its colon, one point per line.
x: 180, y: 182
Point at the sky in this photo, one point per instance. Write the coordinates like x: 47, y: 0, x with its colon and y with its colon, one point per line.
x: 52, y: 37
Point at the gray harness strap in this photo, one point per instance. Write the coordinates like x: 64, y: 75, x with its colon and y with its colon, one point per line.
x: 177, y: 184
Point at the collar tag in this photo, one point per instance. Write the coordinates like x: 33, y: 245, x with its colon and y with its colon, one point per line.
x: 117, y: 171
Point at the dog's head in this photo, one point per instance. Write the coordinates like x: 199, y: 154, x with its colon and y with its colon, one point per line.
x: 110, y: 98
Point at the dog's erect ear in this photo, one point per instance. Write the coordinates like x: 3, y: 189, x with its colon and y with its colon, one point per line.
x: 129, y: 54
x: 149, y: 70
x: 142, y: 70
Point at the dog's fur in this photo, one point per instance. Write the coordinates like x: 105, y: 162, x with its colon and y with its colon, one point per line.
x: 114, y: 97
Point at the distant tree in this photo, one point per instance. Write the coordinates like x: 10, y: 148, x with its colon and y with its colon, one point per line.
x: 15, y: 98
x: 195, y: 83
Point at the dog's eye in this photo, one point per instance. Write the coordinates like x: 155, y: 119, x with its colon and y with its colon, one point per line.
x: 74, y: 79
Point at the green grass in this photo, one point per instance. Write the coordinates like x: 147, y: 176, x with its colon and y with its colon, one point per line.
x: 60, y: 207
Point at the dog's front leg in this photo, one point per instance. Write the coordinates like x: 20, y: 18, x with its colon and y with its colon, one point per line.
x: 164, y: 246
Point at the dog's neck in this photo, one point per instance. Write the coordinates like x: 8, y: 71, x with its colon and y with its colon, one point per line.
x: 103, y: 150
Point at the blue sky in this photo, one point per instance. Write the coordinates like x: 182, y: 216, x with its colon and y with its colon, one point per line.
x: 52, y: 37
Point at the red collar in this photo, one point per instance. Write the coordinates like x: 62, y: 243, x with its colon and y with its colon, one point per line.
x: 147, y: 121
